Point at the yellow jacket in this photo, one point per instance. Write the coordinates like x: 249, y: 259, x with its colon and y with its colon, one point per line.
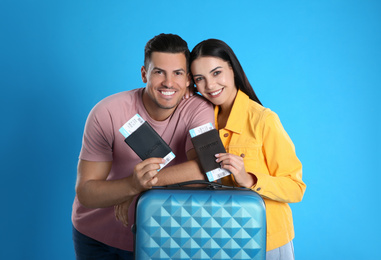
x: 256, y: 134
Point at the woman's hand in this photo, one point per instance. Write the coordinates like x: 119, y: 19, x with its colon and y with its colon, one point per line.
x: 190, y: 91
x: 235, y: 165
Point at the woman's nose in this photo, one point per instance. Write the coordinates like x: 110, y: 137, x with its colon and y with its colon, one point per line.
x: 209, y: 84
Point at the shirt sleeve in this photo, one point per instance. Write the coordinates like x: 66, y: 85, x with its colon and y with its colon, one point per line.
x: 98, y: 136
x: 202, y: 113
x: 284, y: 181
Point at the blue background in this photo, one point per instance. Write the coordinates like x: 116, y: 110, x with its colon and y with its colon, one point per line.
x: 316, y: 63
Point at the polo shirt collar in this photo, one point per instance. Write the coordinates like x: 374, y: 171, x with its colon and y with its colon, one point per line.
x: 236, y: 120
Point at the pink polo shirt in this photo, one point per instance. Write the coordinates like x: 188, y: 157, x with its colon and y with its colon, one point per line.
x: 102, y: 141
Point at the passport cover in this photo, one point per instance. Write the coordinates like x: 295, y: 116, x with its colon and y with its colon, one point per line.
x: 147, y: 143
x: 207, y: 145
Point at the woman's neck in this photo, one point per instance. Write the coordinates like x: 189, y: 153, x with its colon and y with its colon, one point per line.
x: 223, y: 116
x: 224, y: 112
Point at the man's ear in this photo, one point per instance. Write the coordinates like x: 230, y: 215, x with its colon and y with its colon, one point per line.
x: 189, y: 79
x: 144, y: 74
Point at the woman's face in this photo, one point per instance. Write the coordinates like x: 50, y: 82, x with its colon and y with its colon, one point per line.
x: 214, y: 79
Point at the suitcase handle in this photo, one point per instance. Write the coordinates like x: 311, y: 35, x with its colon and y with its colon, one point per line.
x: 209, y: 185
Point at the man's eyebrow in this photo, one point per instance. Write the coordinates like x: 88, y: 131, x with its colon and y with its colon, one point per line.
x: 177, y: 70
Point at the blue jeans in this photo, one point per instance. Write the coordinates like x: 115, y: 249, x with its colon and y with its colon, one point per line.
x: 87, y: 248
x: 285, y: 252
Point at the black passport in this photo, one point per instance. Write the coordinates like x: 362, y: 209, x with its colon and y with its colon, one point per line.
x: 207, y: 145
x: 147, y: 143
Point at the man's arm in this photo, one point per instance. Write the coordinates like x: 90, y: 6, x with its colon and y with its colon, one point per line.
x: 186, y: 171
x: 95, y: 191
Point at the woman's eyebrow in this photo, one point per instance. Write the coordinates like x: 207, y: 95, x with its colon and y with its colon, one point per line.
x: 197, y: 75
x: 216, y: 68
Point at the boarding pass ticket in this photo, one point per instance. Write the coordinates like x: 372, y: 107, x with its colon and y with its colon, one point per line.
x: 201, y: 129
x: 128, y: 128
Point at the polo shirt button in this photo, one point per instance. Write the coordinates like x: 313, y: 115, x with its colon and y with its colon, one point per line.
x: 242, y: 155
x: 258, y: 189
x: 226, y: 135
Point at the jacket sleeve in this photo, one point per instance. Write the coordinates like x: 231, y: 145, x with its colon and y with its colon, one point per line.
x: 284, y: 181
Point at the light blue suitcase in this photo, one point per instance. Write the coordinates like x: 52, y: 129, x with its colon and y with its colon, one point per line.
x: 215, y: 222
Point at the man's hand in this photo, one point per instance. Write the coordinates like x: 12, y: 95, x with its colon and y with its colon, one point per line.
x: 143, y: 178
x: 121, y: 211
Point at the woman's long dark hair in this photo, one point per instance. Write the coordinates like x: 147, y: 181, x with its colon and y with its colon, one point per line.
x: 219, y: 49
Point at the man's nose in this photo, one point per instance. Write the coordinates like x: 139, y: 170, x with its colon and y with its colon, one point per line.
x: 168, y: 81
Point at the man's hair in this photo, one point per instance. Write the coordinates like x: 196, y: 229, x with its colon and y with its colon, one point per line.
x: 169, y: 43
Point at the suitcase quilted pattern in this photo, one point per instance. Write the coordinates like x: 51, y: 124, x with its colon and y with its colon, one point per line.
x: 184, y: 224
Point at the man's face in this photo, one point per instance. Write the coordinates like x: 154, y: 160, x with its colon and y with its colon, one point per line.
x: 166, y: 80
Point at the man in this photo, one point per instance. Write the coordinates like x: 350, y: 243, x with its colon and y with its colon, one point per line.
x: 110, y: 174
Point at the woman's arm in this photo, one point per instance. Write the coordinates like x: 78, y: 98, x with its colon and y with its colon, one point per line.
x: 284, y: 181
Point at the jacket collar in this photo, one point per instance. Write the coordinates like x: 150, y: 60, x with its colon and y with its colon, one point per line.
x: 237, y: 117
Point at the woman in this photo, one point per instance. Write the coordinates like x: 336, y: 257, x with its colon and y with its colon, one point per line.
x: 260, y: 155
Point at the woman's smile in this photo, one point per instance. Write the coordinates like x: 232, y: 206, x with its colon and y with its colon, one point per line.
x: 216, y: 93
